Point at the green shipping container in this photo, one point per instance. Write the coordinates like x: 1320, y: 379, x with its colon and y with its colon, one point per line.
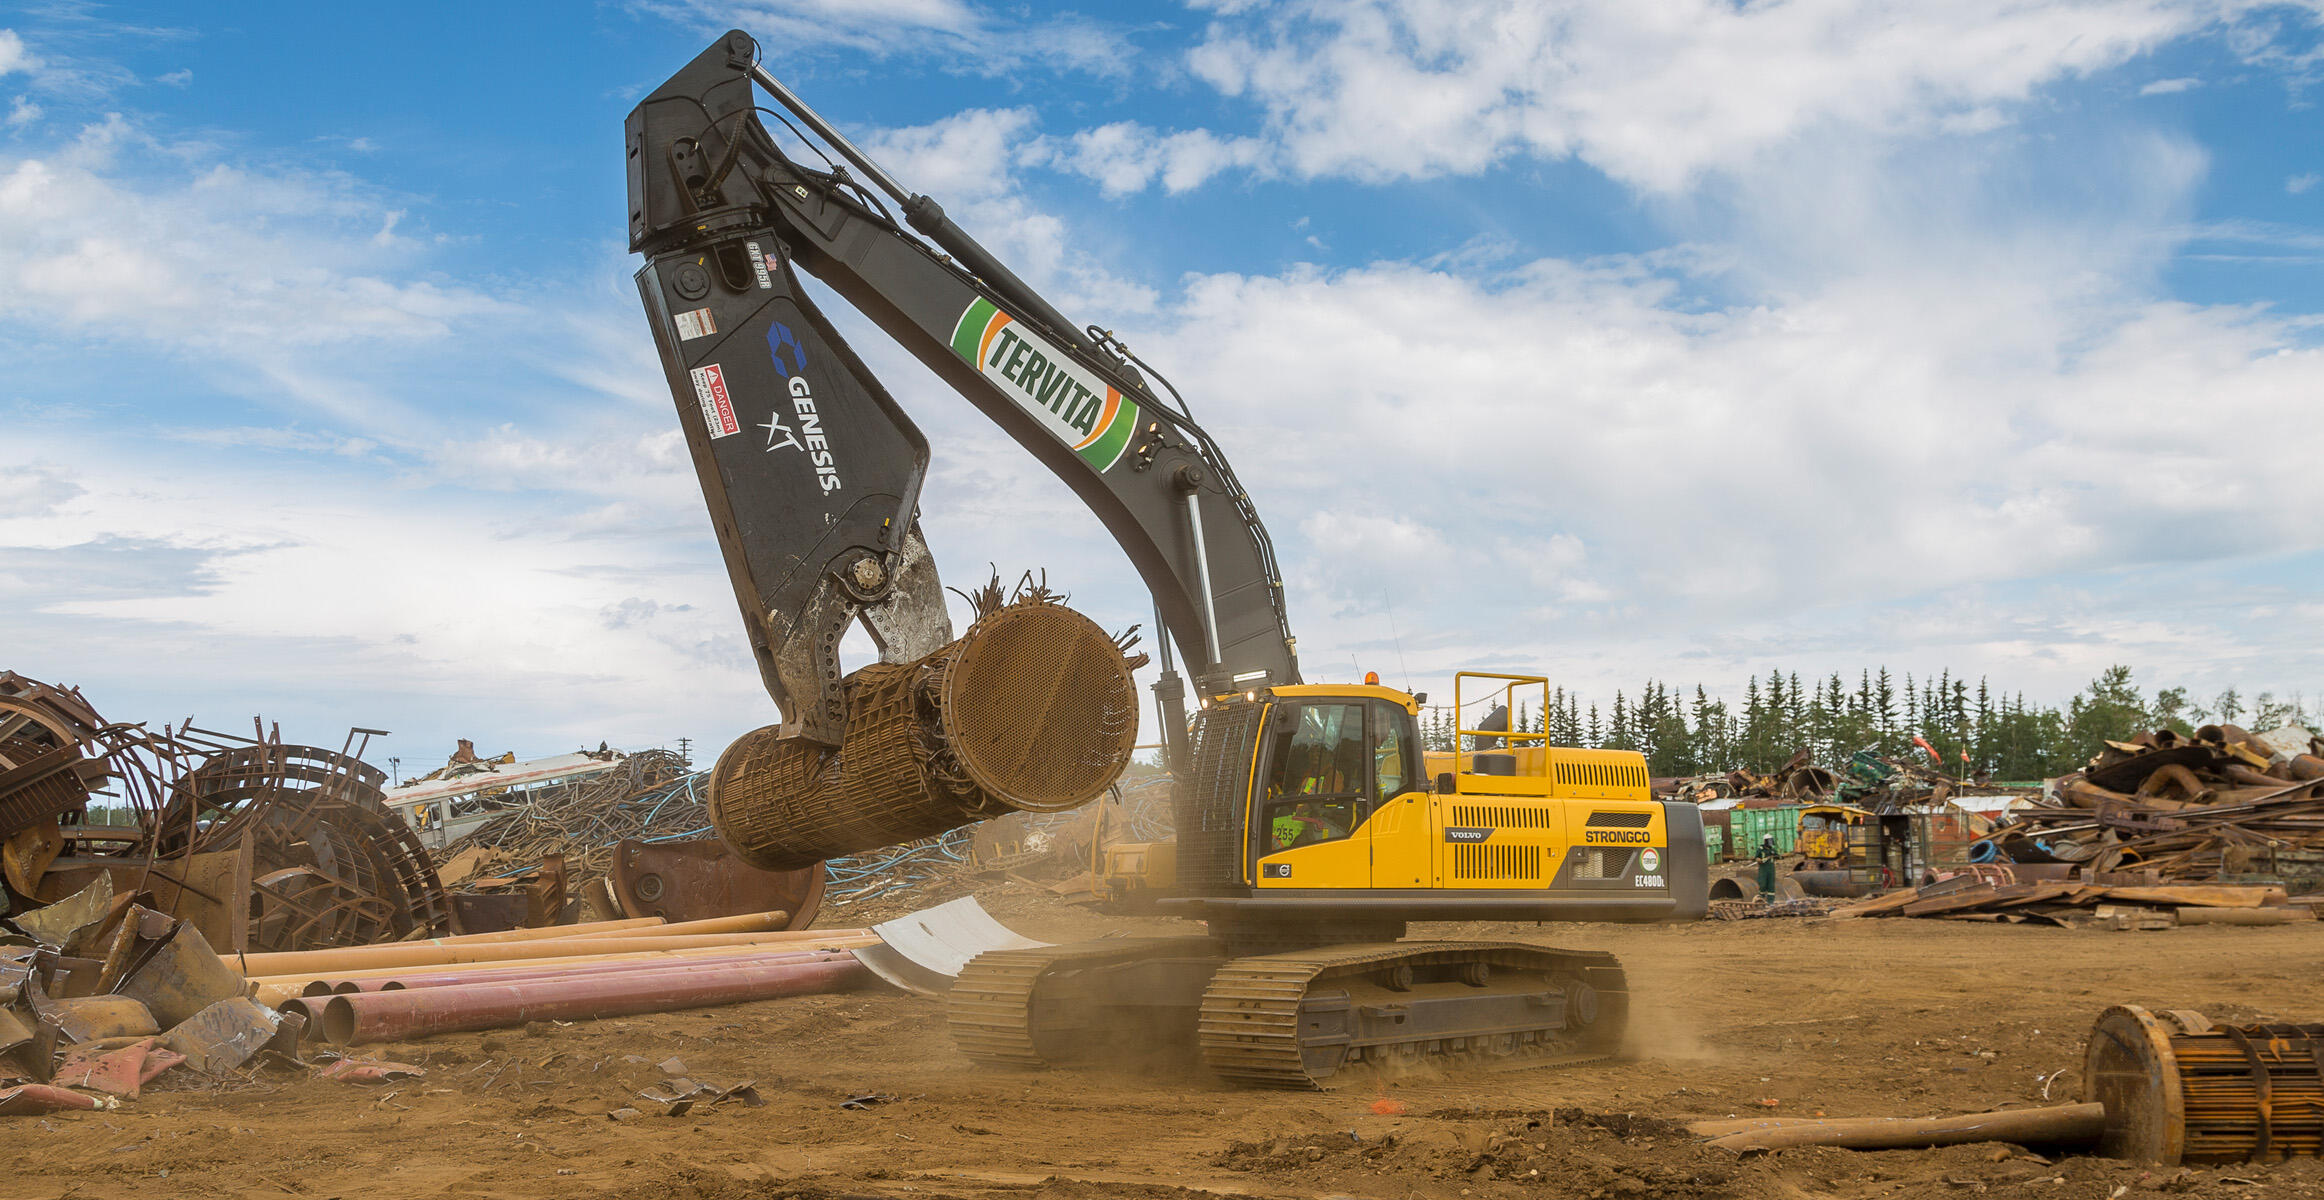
x: 1752, y: 825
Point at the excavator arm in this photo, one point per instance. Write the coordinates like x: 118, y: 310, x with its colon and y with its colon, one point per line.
x: 812, y: 470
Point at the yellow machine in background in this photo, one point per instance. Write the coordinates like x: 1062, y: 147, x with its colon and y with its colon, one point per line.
x: 1827, y: 832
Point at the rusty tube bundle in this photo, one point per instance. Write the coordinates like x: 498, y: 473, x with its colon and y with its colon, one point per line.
x: 1032, y: 709
x: 2178, y: 1088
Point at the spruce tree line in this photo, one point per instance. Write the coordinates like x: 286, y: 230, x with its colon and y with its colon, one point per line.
x: 1975, y: 730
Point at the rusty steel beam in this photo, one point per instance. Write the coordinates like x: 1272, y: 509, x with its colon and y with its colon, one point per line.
x: 394, y: 1016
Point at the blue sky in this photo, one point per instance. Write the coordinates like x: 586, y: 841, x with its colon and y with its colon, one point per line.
x: 1606, y: 340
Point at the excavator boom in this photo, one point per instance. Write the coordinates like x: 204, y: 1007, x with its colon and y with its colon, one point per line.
x: 813, y: 471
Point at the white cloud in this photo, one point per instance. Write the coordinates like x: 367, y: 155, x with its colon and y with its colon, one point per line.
x: 1126, y: 157
x: 973, y: 162
x: 1627, y: 469
x: 963, y: 37
x: 1653, y: 94
x: 178, y: 79
x: 419, y: 608
x: 2299, y: 184
x: 13, y: 56
x: 2164, y: 87
x: 35, y: 490
x: 22, y: 111
x: 117, y: 236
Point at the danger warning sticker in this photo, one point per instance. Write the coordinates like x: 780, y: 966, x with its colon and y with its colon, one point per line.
x: 717, y: 407
x: 698, y: 323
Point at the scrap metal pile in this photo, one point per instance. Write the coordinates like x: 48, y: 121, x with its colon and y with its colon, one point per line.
x: 651, y: 805
x: 1798, y: 781
x: 2223, y: 827
x: 1999, y: 896
x: 649, y: 796
x: 2222, y: 805
x: 632, y: 841
x: 100, y: 996
x: 1870, y: 780
x: 262, y: 844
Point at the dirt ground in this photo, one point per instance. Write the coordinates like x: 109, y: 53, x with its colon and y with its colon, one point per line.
x: 1782, y: 1017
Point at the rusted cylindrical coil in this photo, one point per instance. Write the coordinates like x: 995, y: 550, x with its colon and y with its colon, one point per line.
x: 2179, y: 1089
x: 1031, y: 709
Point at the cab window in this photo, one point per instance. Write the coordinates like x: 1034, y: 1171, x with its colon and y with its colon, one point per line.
x: 1388, y: 750
x: 1318, y: 779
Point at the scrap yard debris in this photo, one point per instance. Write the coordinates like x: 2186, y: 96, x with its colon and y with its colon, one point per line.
x: 650, y: 795
x: 2223, y: 827
x: 613, y: 829
x: 1870, y: 779
x: 110, y: 1005
x: 262, y: 844
x: 107, y: 996
x: 2221, y: 804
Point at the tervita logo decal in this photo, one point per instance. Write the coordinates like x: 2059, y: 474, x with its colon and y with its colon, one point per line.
x: 1072, y: 403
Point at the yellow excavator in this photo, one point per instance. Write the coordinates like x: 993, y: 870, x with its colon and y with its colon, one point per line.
x: 1312, y: 826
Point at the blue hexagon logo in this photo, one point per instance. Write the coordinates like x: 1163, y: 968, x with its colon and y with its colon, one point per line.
x: 783, y: 346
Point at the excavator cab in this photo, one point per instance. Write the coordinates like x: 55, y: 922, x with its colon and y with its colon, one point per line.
x: 1302, y: 806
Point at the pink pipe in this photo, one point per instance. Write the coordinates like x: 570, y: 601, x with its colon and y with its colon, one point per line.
x: 419, y: 1012
x: 431, y: 979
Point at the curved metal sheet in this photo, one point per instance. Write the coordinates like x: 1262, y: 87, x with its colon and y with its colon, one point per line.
x: 925, y: 951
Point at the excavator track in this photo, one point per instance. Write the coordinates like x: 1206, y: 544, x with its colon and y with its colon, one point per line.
x: 1293, y: 1020
x: 996, y: 1006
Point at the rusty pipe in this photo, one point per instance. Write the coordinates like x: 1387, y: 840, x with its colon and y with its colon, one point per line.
x: 582, y: 929
x: 272, y: 990
x: 2172, y: 777
x: 310, y: 1008
x: 837, y: 939
x: 2081, y: 793
x: 422, y: 1012
x: 765, y: 922
x: 401, y: 954
x: 777, y: 921
x: 428, y: 979
x: 2249, y: 777
x: 759, y: 922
